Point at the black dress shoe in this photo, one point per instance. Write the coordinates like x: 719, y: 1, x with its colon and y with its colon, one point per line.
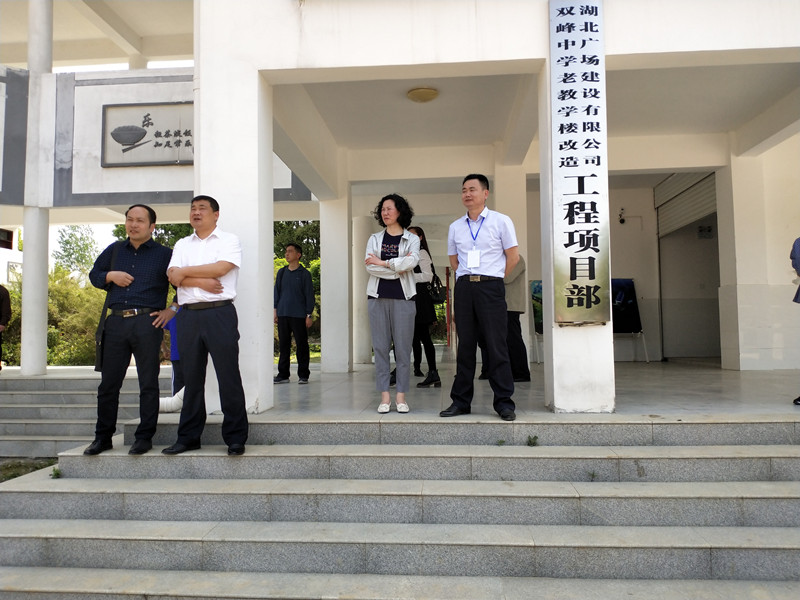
x: 483, y: 377
x: 518, y: 379
x: 235, y: 449
x: 140, y: 446
x: 98, y: 446
x: 454, y: 411
x: 797, y: 401
x: 507, y: 414
x: 178, y: 448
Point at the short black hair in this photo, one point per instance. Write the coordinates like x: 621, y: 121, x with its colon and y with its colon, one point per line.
x: 402, y: 206
x: 149, y: 210
x: 296, y: 247
x: 214, y: 204
x: 482, y: 179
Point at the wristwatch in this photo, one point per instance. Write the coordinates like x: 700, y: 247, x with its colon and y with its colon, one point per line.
x: 173, y: 308
x: 308, y: 316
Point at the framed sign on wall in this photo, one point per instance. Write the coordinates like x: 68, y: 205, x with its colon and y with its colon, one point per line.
x: 136, y: 135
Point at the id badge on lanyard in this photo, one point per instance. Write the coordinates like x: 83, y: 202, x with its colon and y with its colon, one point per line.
x: 474, y: 255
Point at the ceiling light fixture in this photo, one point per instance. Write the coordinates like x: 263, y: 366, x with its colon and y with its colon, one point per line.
x: 422, y: 94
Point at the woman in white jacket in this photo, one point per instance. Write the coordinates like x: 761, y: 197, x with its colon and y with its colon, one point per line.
x: 391, y: 257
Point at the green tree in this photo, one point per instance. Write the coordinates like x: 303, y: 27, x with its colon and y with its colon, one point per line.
x: 72, y: 313
x: 305, y: 233
x: 166, y: 234
x: 77, y: 249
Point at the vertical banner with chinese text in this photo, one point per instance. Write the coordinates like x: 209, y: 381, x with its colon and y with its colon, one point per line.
x: 582, y: 284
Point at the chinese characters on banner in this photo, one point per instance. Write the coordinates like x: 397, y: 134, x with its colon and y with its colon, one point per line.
x: 148, y: 134
x: 582, y: 286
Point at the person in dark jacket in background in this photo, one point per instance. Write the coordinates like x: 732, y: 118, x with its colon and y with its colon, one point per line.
x: 294, y: 307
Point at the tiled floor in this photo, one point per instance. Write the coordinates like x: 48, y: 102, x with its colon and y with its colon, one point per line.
x: 692, y: 387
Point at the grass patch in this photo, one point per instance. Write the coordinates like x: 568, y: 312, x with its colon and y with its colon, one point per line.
x: 15, y: 468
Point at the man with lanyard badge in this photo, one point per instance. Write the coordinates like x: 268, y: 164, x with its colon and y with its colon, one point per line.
x: 482, y: 247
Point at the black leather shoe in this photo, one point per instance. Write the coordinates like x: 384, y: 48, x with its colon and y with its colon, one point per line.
x: 235, y: 449
x: 140, y: 446
x: 797, y: 401
x: 454, y: 411
x: 519, y: 379
x: 507, y: 414
x: 98, y: 446
x: 178, y: 448
x: 483, y: 377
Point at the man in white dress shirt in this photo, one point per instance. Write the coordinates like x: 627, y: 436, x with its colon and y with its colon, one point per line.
x: 209, y: 325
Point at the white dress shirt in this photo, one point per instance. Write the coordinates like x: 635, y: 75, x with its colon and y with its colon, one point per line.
x: 492, y: 234
x: 192, y: 251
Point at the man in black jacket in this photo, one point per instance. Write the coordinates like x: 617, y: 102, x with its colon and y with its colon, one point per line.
x: 294, y: 305
x: 137, y: 285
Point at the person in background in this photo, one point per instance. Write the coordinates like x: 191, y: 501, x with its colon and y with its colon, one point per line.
x: 5, y: 317
x: 517, y: 302
x: 175, y: 357
x: 390, y: 259
x: 426, y: 315
x: 794, y: 255
x: 294, y: 307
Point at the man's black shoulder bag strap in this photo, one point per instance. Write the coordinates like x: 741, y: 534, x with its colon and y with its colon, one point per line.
x: 98, y: 336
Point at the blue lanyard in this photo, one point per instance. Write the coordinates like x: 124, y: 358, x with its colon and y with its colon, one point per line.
x: 475, y: 237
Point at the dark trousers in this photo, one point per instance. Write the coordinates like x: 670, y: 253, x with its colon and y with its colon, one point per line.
x: 480, y: 312
x: 122, y: 338
x: 288, y: 327
x: 213, y: 331
x: 177, y: 377
x: 517, y: 353
x: 422, y: 339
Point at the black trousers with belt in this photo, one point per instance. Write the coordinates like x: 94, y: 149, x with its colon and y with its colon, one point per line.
x: 213, y: 331
x: 480, y: 312
x: 123, y: 337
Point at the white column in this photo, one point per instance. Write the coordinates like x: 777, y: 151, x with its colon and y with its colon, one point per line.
x: 38, y: 195
x: 363, y: 227
x: 336, y: 248
x: 745, y: 306
x: 510, y: 197
x: 233, y: 163
x: 578, y: 361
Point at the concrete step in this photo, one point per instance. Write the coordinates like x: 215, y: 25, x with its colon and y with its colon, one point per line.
x: 46, y: 427
x: 420, y: 428
x: 742, y: 504
x: 769, y: 553
x: 69, y: 412
x: 31, y: 446
x: 82, y: 380
x: 61, y: 397
x: 488, y: 463
x: 79, y: 584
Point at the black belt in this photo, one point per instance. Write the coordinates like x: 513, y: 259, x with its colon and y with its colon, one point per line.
x: 474, y: 278
x: 132, y: 312
x: 204, y: 305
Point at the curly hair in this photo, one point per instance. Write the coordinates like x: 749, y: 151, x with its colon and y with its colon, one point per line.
x: 402, y: 206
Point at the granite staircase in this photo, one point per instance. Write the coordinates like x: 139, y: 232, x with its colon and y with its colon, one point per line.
x: 42, y: 416
x: 414, y: 506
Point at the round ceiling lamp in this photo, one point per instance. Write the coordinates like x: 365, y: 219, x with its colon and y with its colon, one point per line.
x: 422, y: 94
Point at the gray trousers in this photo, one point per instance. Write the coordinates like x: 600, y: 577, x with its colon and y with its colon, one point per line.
x: 392, y: 320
